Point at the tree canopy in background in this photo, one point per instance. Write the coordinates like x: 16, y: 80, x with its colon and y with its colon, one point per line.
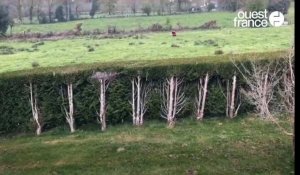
x: 4, y: 19
x: 95, y: 7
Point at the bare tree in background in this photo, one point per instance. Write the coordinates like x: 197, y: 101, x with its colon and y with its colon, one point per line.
x: 201, y: 98
x: 70, y: 112
x: 179, y: 5
x: 170, y: 6
x: 31, y: 6
x: 50, y: 6
x: 110, y: 6
x: 133, y: 6
x: 162, y: 6
x: 104, y: 79
x: 20, y: 10
x: 139, y: 101
x: 35, y: 109
x: 261, y: 80
x: 173, y: 100
x: 38, y: 9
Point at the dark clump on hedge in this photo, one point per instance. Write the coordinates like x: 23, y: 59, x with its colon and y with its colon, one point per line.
x: 15, y: 111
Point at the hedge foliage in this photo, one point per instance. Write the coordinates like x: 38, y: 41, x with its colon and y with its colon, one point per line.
x: 15, y: 110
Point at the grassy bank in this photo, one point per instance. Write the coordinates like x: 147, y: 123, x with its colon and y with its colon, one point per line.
x: 215, y: 146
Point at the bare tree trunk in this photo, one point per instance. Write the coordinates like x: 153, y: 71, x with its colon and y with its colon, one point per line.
x: 202, y: 91
x: 133, y: 103
x: 31, y: 11
x: 38, y: 10
x: 104, y: 78
x: 50, y: 4
x: 232, y: 108
x: 20, y: 12
x: 227, y: 98
x: 138, y: 112
x: 102, y: 114
x: 170, y: 103
x: 35, y: 110
x: 173, y: 100
x: 204, y: 96
x: 139, y: 103
x: 71, y: 108
x: 70, y: 114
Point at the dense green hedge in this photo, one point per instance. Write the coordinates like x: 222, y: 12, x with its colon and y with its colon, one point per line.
x: 15, y: 108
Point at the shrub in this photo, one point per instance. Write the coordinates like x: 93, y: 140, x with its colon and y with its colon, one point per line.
x: 156, y: 27
x: 35, y: 64
x: 210, y: 6
x: 90, y: 48
x: 168, y: 21
x: 219, y: 52
x: 196, y: 43
x: 208, y: 42
x: 112, y: 29
x: 59, y: 13
x: 175, y: 45
x: 147, y: 10
x: 43, y: 18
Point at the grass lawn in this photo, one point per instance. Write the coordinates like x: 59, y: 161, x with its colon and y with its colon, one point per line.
x: 224, y: 19
x: 214, y: 146
x: 152, y: 46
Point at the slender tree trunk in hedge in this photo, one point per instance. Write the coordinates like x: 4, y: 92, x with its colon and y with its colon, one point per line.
x: 200, y: 100
x: 133, y: 103
x: 231, y: 109
x: 173, y: 100
x: 138, y: 110
x: 35, y: 110
x: 70, y: 114
x: 102, y: 114
x: 104, y: 78
x: 139, y: 101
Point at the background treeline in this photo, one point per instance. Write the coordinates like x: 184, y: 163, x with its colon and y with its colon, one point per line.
x: 44, y: 11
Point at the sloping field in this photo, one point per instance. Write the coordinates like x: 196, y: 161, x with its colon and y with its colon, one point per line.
x: 21, y: 55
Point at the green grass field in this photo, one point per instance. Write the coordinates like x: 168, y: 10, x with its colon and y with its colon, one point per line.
x: 152, y: 46
x: 224, y: 19
x: 214, y: 146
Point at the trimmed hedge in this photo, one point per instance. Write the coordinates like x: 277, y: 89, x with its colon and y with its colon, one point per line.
x: 15, y: 110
